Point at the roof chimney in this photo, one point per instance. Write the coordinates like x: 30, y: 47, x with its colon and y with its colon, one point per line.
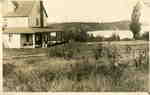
x: 41, y: 15
x: 9, y: 6
x: 16, y: 5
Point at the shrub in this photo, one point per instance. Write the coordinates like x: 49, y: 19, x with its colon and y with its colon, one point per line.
x: 66, y: 51
x: 8, y: 69
x: 98, y: 52
x: 56, y: 51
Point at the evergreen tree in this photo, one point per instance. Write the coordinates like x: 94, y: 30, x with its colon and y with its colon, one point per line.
x: 135, y: 25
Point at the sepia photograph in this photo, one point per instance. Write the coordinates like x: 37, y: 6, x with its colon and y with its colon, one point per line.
x: 75, y: 45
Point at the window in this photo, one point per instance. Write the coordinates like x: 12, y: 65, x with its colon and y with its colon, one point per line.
x: 27, y: 38
x: 37, y: 21
x: 10, y: 36
x: 4, y: 24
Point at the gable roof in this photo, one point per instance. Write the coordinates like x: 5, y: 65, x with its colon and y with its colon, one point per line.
x: 23, y: 8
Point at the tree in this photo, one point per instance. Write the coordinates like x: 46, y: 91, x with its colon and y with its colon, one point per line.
x: 77, y: 33
x: 135, y: 25
x: 82, y: 35
x: 69, y: 33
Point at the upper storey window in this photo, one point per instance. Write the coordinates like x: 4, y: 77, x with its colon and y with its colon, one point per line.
x: 37, y: 22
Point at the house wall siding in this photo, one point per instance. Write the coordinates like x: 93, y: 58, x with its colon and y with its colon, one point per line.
x: 17, y: 22
x: 35, y: 16
x: 11, y: 42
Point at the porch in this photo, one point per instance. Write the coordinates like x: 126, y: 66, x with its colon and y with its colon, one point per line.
x: 37, y: 37
x: 38, y: 40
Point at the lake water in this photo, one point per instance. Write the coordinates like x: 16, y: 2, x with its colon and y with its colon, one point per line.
x: 108, y: 33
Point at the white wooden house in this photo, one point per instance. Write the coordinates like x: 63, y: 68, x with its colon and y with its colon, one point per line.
x: 26, y: 24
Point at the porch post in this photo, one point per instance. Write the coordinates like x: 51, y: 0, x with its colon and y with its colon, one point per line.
x: 61, y: 36
x: 50, y: 36
x: 43, y: 40
x: 56, y: 37
x: 33, y: 39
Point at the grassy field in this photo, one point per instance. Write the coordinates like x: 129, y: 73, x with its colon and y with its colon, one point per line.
x: 77, y: 67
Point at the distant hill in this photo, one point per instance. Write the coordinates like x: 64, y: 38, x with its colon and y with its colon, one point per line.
x: 93, y: 26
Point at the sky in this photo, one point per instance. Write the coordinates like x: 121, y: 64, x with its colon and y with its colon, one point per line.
x: 92, y: 10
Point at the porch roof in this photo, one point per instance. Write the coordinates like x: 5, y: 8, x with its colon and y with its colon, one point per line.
x: 23, y: 30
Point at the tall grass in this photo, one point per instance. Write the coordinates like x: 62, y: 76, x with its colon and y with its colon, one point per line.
x: 81, y: 75
x: 66, y: 51
x: 55, y: 73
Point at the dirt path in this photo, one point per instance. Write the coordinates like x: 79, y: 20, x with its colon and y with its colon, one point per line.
x: 23, y: 56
